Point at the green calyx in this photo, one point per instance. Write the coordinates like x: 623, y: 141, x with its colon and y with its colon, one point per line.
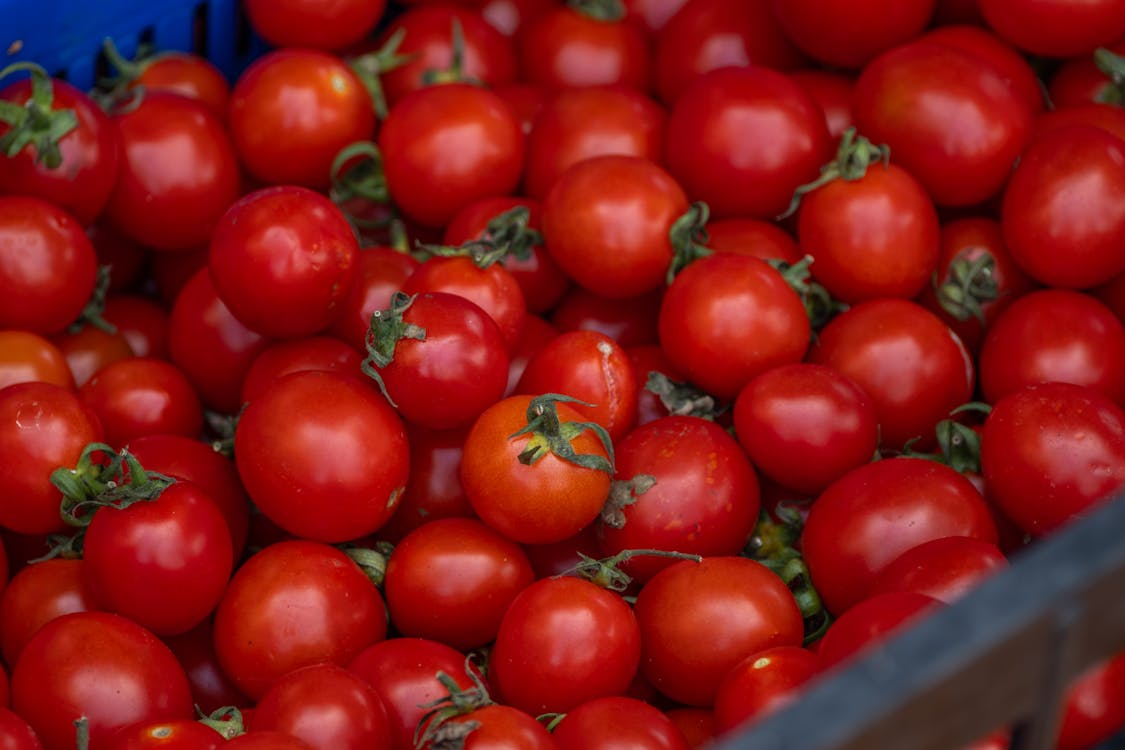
x: 610, y: 11
x: 688, y: 235
x: 607, y: 572
x: 506, y: 234
x: 683, y: 399
x: 550, y: 435
x: 371, y: 560
x: 1113, y: 65
x: 227, y: 721
x: 853, y: 157
x: 958, y: 443
x: 819, y: 304
x: 623, y: 493
x: 455, y: 73
x: 971, y: 284
x: 386, y: 329
x: 118, y: 482
x: 92, y: 313
x: 36, y: 123
x: 370, y: 66
x: 435, y: 730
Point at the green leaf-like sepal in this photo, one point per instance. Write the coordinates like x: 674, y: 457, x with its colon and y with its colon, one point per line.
x: 550, y: 435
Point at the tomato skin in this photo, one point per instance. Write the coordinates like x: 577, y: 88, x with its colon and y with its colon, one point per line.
x: 37, y: 594
x: 90, y: 154
x: 705, y: 499
x: 211, y: 689
x: 298, y: 355
x: 1094, y: 710
x: 756, y: 237
x: 833, y: 92
x: 630, y: 321
x: 945, y: 568
x: 452, y: 579
x: 15, y: 733
x: 89, y: 349
x: 316, y: 25
x: 707, y: 152
x: 687, y: 651
x: 546, y: 501
x: 1054, y: 28
x: 267, y: 740
x: 727, y: 318
x: 565, y: 48
x: 805, y: 425
x: 42, y: 427
x: 47, y: 265
x: 1063, y: 213
x: 142, y: 321
x: 433, y: 489
x: 869, y: 622
x: 27, y: 357
x: 905, y: 358
x: 181, y: 734
x: 178, y: 172
x: 1043, y: 478
x: 563, y: 641
x: 142, y: 396
x: 292, y: 110
x: 293, y: 604
x: 186, y: 74
x: 100, y: 666
x: 380, y: 272
x: 328, y: 707
x: 874, y: 513
x: 616, y: 721
x: 850, y: 35
x: 762, y: 683
x: 979, y: 42
x: 606, y: 222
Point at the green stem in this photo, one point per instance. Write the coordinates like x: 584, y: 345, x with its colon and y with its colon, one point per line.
x: 35, y: 123
x: 386, y: 329
x: 550, y: 435
x: 689, y: 238
x: 607, y: 572
x: 853, y: 157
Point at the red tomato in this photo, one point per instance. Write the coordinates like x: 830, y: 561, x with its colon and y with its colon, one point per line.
x: 283, y: 260
x: 806, y: 425
x: 433, y: 489
x: 27, y: 357
x: 47, y: 266
x: 613, y: 721
x: 42, y: 427
x: 293, y: 604
x: 833, y: 92
x: 849, y: 35
x: 88, y: 349
x: 687, y: 650
x: 298, y: 355
x: 1079, y: 81
x: 756, y: 237
x: 565, y: 47
x: 143, y: 322
x: 178, y: 174
x: 17, y: 734
x: 945, y: 568
x: 630, y: 321
x: 183, y: 73
x: 647, y: 359
x: 211, y: 689
x: 1056, y: 28
x: 494, y: 727
x: 266, y: 740
x: 912, y: 366
x: 1064, y: 209
x: 328, y: 707
x: 562, y: 642
x: 684, y: 485
x: 727, y: 318
x: 141, y: 396
x: 292, y: 111
x: 285, y: 437
x: 314, y: 24
x: 178, y: 734
x: 870, y: 621
x: 1014, y: 67
x: 38, y: 594
x: 1074, y: 459
x: 99, y: 666
x: 1094, y: 710
x: 762, y: 683
x: 446, y: 146
x: 379, y: 273
x: 872, y: 514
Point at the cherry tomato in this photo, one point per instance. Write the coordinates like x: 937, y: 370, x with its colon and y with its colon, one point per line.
x: 495, y: 727
x: 565, y: 47
x: 267, y: 740
x: 27, y: 357
x: 183, y: 73
x: 143, y: 322
x: 871, y: 621
x: 17, y: 734
x: 1055, y: 28
x: 178, y: 734
x: 316, y: 25
x: 945, y: 568
x: 609, y: 722
x: 298, y: 355
x: 849, y: 34
x: 756, y: 237
x: 433, y: 489
x: 38, y: 594
x: 141, y: 396
x: 630, y: 321
x: 88, y: 349
x: 379, y: 273
x: 761, y: 683
x: 833, y: 92
x: 211, y: 689
x: 1094, y: 710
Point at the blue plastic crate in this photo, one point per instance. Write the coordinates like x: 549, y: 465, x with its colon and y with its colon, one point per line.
x: 65, y: 36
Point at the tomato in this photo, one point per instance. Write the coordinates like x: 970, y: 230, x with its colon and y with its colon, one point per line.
x: 178, y: 172
x: 1108, y: 117
x: 510, y: 16
x: 945, y: 568
x: 210, y: 345
x: 379, y: 273
x: 833, y: 92
x: 293, y: 604
x: 292, y: 111
x: 267, y: 740
x: 47, y: 265
x: 433, y: 489
x: 27, y: 357
x: 912, y: 366
x: 80, y: 175
x: 580, y: 123
x: 533, y: 471
x: 1014, y: 67
x: 849, y: 35
x: 1064, y: 212
x: 38, y: 594
x: 687, y: 650
x: 404, y: 671
x: 211, y: 689
x: 179, y: 734
x: 567, y: 47
x: 16, y: 733
x: 630, y: 321
x: 871, y: 621
x: 298, y: 355
x: 1074, y: 459
x: 1079, y: 81
x: 652, y: 14
x: 316, y: 25
x: 452, y: 579
x: 707, y: 34
x: 184, y: 73
x: 328, y: 707
x: 874, y: 513
x: 613, y: 721
x: 446, y: 146
x: 805, y: 425
x: 141, y: 396
x: 682, y: 484
x: 647, y: 359
x: 128, y: 259
x: 755, y: 237
x: 707, y: 151
x: 1094, y: 710
x: 950, y: 118
x: 281, y: 445
x: 142, y: 321
x: 99, y: 666
x: 1055, y: 28
x: 762, y: 683
x: 562, y: 642
x: 494, y: 727
x: 727, y: 318
x: 42, y: 427
x: 283, y: 259
x: 88, y: 349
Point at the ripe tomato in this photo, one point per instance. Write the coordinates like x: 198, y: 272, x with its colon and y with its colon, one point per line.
x: 833, y: 92
x: 298, y: 355
x: 88, y: 349
x: 563, y: 641
x: 211, y: 689
x: 912, y: 366
x: 874, y: 513
x: 616, y: 720
x: 566, y: 47
x: 761, y: 683
x: 1056, y: 28
x: 534, y: 470
x: 27, y: 357
x: 606, y: 222
x: 178, y: 734
x: 266, y: 740
x: 493, y: 727
x: 727, y: 318
x: 316, y: 25
x: 756, y: 237
x: 1074, y: 459
x: 38, y: 594
x: 707, y: 150
x: 870, y: 621
x: 184, y: 73
x: 305, y: 419
x: 327, y: 706
x: 142, y: 321
x: 178, y: 174
x: 47, y: 266
x: 379, y: 273
x: 99, y: 666
x: 945, y: 568
x: 1094, y: 710
x: 630, y: 321
x: 292, y: 111
x: 141, y: 396
x: 979, y: 42
x: 433, y: 489
x: 687, y: 650
x: 17, y: 733
x: 849, y: 35
x: 293, y: 604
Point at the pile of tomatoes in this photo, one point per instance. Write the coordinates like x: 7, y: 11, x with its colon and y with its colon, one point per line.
x: 515, y: 374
